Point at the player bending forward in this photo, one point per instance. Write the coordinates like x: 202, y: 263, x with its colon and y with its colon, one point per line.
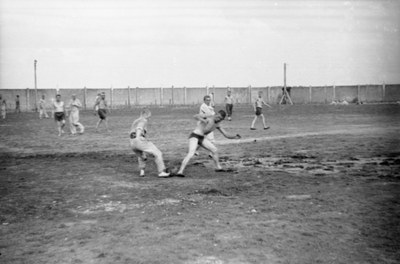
x: 205, y: 125
x: 141, y: 146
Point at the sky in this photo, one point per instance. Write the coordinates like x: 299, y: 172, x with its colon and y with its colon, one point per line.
x: 198, y: 43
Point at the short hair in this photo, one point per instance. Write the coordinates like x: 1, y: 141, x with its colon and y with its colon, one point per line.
x: 58, y: 95
x: 206, y: 96
x: 145, y: 112
x: 222, y: 113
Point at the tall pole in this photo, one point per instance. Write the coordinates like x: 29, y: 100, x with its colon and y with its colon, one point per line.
x: 34, y: 63
x: 284, y: 75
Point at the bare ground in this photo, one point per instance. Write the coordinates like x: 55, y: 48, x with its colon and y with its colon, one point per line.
x: 321, y: 186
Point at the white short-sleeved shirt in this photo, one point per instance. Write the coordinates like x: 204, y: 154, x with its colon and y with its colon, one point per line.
x: 229, y: 99
x: 58, y: 106
x: 206, y: 109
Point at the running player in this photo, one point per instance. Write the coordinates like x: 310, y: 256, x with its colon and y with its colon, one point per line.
x: 59, y: 114
x: 258, y: 111
x: 42, y: 108
x: 74, y: 106
x: 205, y: 125
x: 102, y: 109
x: 141, y: 146
x: 3, y: 107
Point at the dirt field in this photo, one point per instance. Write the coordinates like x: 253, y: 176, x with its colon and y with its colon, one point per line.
x: 321, y: 186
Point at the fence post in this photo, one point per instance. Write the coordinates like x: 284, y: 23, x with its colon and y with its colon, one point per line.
x: 161, y: 96
x: 185, y: 95
x: 358, y: 93
x: 129, y: 97
x: 310, y: 93
x: 383, y: 92
x: 326, y: 98
x: 27, y: 100
x: 84, y: 98
x: 111, y: 97
x: 172, y: 95
x: 136, y: 95
x: 334, y: 93
x: 269, y: 94
x: 250, y: 94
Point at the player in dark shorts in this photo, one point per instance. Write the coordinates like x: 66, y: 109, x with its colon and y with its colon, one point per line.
x: 59, y: 114
x: 198, y: 137
x: 102, y: 110
x: 258, y: 111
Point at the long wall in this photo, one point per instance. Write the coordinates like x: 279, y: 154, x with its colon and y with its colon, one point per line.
x: 175, y: 96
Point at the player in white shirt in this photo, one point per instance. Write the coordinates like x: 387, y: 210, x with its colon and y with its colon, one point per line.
x: 59, y: 114
x: 141, y: 146
x: 229, y: 104
x: 3, y: 107
x: 42, y: 108
x: 74, y: 106
x: 206, y: 110
x: 258, y: 110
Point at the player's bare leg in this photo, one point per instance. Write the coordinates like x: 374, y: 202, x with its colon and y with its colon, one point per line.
x: 208, y: 145
x: 253, y: 123
x: 193, y: 143
x: 263, y: 120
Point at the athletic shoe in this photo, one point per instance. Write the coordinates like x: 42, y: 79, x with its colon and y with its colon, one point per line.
x: 141, y: 173
x: 163, y: 174
x: 252, y: 128
x: 265, y: 128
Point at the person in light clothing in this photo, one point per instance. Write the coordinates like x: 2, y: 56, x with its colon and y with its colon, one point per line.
x: 74, y: 106
x: 59, y: 114
x: 258, y: 104
x: 207, y: 110
x: 229, y: 104
x: 142, y: 146
x: 42, y: 108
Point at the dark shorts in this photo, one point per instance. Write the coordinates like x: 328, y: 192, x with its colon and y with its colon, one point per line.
x: 102, y: 113
x: 258, y: 111
x: 59, y: 116
x: 200, y: 138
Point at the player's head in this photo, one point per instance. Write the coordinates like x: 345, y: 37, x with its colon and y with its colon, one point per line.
x: 73, y: 96
x: 146, y: 113
x: 219, y: 116
x: 43, y: 96
x: 260, y: 93
x: 58, y: 97
x: 228, y: 92
x: 207, y: 99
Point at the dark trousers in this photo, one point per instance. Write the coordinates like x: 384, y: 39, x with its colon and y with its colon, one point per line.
x: 229, y: 108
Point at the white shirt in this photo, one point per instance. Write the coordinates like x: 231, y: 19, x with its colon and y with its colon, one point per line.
x: 58, y: 106
x: 206, y: 109
x: 75, y: 105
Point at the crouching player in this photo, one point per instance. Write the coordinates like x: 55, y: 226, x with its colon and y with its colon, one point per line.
x: 141, y: 146
x: 206, y: 125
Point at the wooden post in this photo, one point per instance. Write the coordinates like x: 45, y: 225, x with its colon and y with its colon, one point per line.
x: 310, y: 93
x: 172, y: 94
x: 358, y: 93
x: 84, y: 98
x: 36, y: 107
x: 250, y: 94
x: 136, y: 95
x: 28, y: 104
x: 129, y: 97
x: 334, y: 92
x: 111, y: 97
x: 161, y: 96
x: 185, y: 95
x: 383, y: 92
x: 269, y: 94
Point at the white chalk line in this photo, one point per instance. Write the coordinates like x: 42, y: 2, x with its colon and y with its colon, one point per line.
x: 305, y: 134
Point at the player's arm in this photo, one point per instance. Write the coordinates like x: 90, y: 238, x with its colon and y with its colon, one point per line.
x: 96, y: 104
x: 227, y: 134
x: 201, y: 118
x: 266, y: 104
